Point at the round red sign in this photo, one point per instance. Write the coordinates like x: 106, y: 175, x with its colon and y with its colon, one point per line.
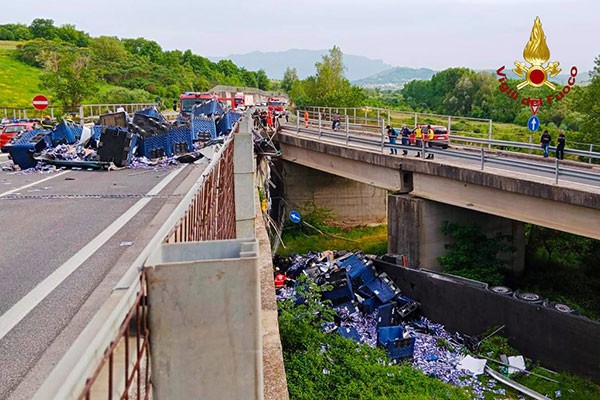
x: 40, y: 102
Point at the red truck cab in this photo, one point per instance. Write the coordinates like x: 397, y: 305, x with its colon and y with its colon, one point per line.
x: 188, y: 100
x: 275, y: 104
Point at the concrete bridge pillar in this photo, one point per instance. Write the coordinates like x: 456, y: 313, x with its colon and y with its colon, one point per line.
x: 415, y: 230
x: 350, y: 201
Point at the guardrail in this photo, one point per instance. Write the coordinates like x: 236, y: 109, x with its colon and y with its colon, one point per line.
x: 372, y: 126
x: 90, y: 112
x: 377, y: 141
x: 21, y: 112
x: 266, y: 93
x: 87, y: 370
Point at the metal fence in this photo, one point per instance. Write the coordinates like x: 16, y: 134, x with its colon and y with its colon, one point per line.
x: 248, y: 90
x: 25, y: 112
x: 211, y: 213
x: 101, y: 363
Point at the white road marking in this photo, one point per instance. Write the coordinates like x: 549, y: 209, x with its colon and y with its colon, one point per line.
x: 33, y: 184
x: 24, y: 306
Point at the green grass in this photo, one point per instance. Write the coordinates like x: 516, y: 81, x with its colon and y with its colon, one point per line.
x: 371, y: 240
x: 19, y: 82
x: 8, y: 45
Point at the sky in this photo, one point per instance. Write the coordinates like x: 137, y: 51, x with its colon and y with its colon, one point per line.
x: 436, y: 34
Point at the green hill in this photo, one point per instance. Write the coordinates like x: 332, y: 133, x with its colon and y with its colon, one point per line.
x: 18, y: 81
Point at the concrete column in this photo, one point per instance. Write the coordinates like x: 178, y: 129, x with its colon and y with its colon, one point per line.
x: 206, y: 335
x: 415, y: 230
x: 243, y: 176
x: 350, y: 202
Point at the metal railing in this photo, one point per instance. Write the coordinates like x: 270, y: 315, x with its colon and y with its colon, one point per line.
x: 102, y: 351
x: 372, y: 126
x: 25, y: 112
x: 377, y: 141
x: 90, y: 112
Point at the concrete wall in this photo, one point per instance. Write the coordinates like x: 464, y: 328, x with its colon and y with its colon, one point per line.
x: 414, y: 229
x: 559, y: 341
x: 351, y: 202
x: 205, y: 320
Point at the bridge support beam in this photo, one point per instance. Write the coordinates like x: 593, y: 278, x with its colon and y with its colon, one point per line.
x: 350, y: 202
x: 414, y: 229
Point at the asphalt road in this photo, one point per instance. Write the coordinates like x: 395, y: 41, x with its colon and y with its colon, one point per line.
x: 49, y: 287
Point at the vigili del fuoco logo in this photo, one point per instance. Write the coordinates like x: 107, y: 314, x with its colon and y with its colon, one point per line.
x: 536, y: 72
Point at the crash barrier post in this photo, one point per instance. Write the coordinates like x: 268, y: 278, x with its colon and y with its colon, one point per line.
x: 320, y: 126
x: 559, y: 340
x: 347, y: 129
x: 382, y: 136
x: 297, y: 121
x: 215, y: 353
x: 489, y: 134
x: 482, y: 157
x: 207, y: 212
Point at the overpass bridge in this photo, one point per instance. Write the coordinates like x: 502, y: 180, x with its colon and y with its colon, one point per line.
x: 500, y: 192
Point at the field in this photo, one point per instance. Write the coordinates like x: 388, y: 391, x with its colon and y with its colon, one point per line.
x: 19, y: 82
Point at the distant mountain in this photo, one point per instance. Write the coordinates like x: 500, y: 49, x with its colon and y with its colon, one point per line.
x: 395, y: 78
x: 275, y: 63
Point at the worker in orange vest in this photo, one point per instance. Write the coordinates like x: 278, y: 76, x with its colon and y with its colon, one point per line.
x: 306, y: 118
x: 270, y: 119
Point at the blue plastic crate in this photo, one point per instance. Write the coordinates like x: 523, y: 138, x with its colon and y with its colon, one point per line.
x: 370, y: 305
x: 180, y: 140
x: 349, y: 307
x: 387, y: 334
x: 377, y: 287
x: 400, y: 349
x: 23, y: 147
x: 152, y: 112
x: 154, y: 146
x: 211, y: 107
x: 387, y: 315
x: 227, y: 122
x: 66, y: 132
x: 96, y: 132
x: 203, y: 128
x: 349, y: 332
x: 358, y: 271
x: 342, y: 288
x: 405, y: 306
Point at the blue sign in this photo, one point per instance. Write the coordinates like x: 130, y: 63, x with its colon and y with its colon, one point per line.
x: 295, y: 216
x: 533, y: 123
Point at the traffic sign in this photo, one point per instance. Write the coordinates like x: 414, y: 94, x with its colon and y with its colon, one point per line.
x: 40, y: 102
x: 533, y: 123
x: 295, y: 216
x: 535, y: 105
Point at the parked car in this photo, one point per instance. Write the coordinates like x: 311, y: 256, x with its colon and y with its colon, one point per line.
x: 14, y: 128
x: 441, y: 136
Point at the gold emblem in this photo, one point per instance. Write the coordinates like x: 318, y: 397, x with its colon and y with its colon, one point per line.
x: 536, y: 53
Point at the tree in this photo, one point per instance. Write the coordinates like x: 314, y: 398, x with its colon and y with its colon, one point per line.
x: 289, y: 77
x: 107, y: 49
x: 588, y: 104
x: 69, y: 34
x: 262, y: 80
x: 68, y: 77
x: 43, y: 28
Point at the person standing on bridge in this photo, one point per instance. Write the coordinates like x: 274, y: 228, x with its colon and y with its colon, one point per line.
x: 418, y: 140
x: 429, y: 135
x: 405, y: 132
x: 545, y: 141
x: 392, y: 135
x: 306, y: 116
x: 560, y: 146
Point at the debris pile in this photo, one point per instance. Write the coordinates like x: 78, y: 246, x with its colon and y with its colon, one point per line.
x: 117, y: 141
x: 370, y: 309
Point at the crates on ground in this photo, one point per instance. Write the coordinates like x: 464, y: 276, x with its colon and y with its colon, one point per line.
x: 23, y: 147
x: 116, y: 145
x: 203, y: 128
x: 66, y: 133
x: 180, y: 140
x: 227, y: 122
